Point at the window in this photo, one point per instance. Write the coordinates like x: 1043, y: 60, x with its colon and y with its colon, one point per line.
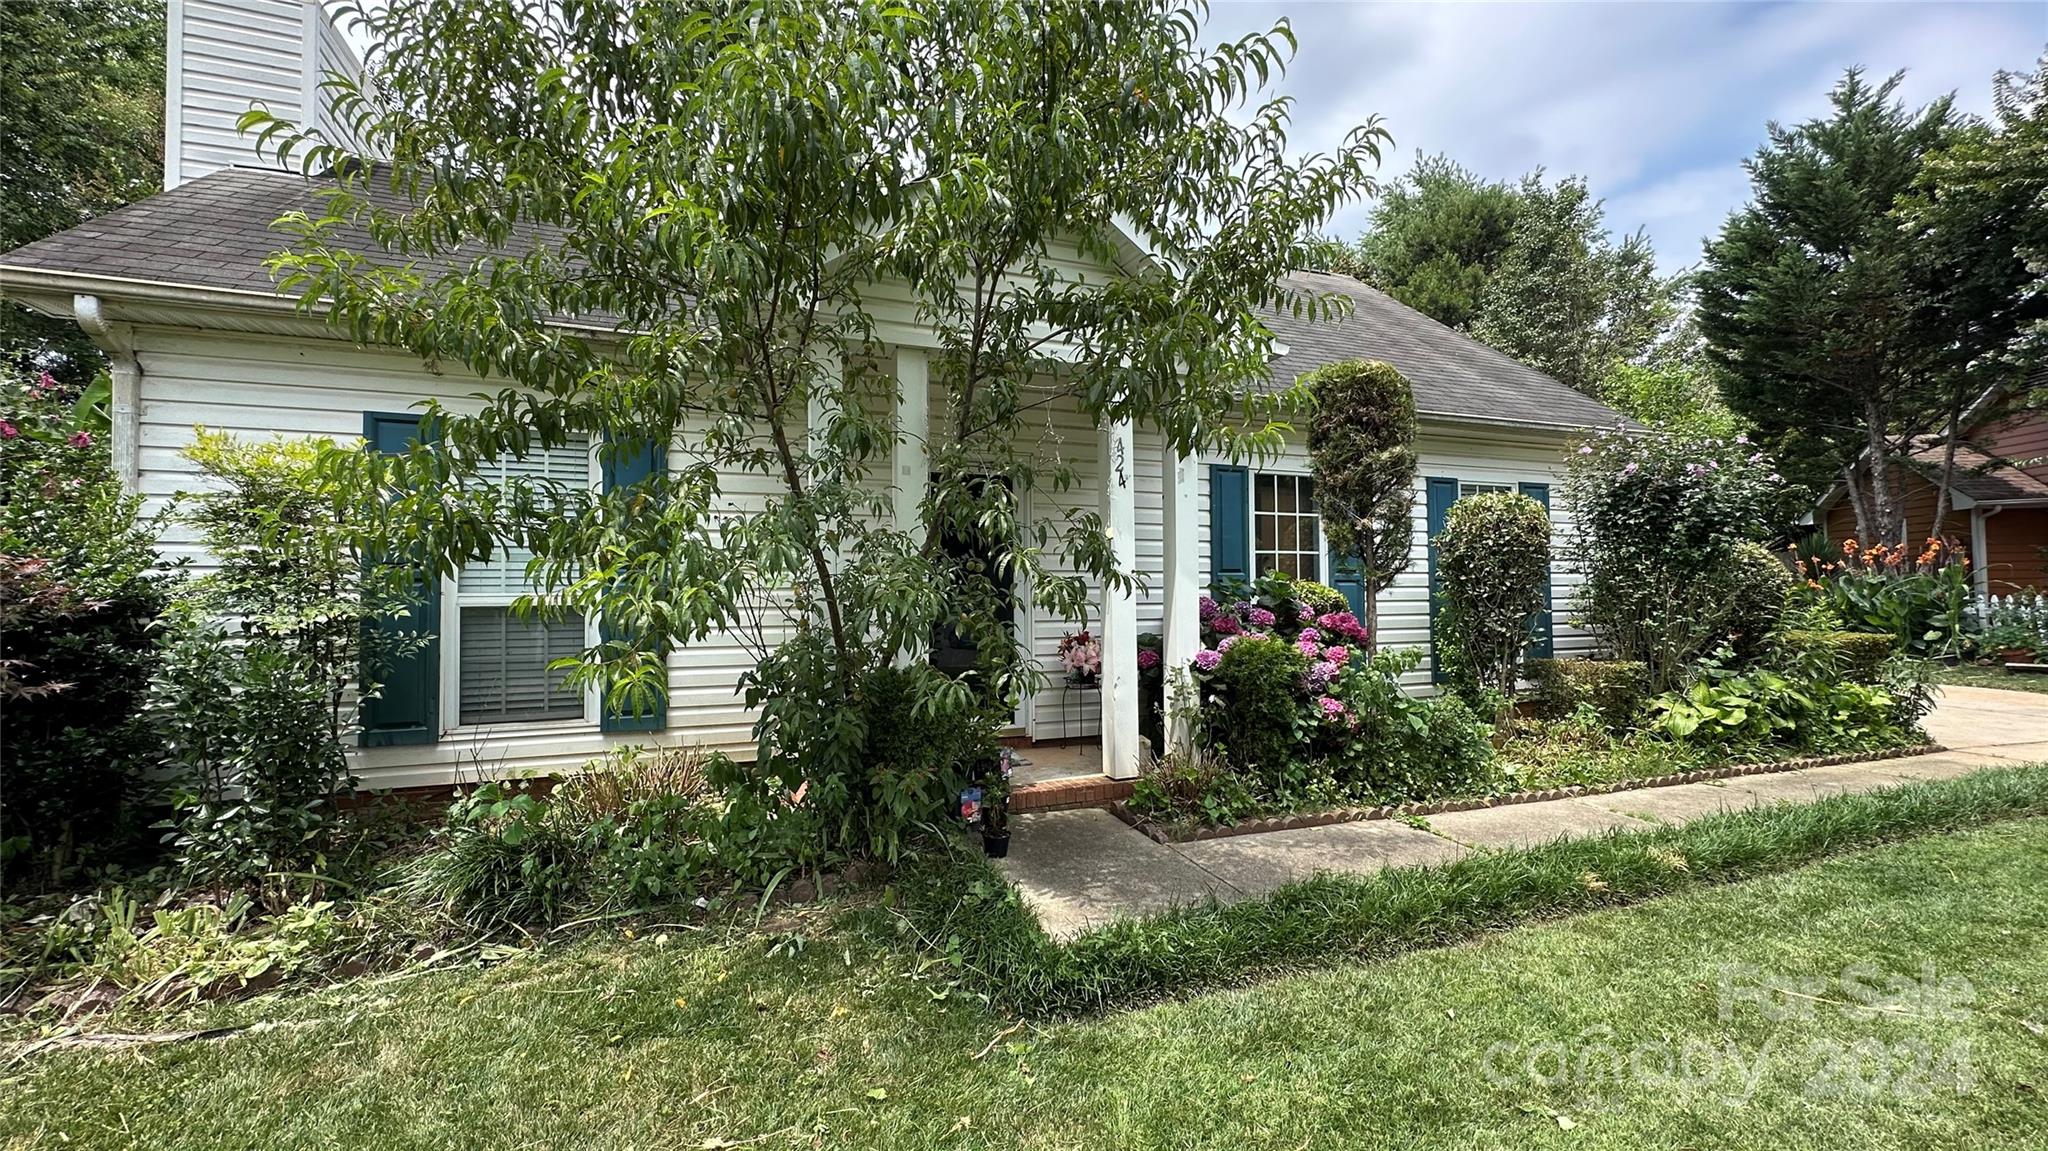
x: 502, y: 673
x: 1469, y: 488
x: 1286, y: 535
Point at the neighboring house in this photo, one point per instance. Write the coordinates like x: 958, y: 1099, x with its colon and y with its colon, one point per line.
x: 1998, y: 500
x: 174, y: 289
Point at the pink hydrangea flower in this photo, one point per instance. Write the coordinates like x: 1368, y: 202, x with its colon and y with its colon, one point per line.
x: 1309, y: 647
x: 1224, y: 644
x: 1205, y: 608
x: 1311, y: 633
x: 1208, y: 658
x: 80, y: 440
x: 1320, y: 675
x: 1332, y: 708
x: 1226, y: 625
x: 1337, y: 654
x: 1260, y: 617
x: 8, y: 431
x: 1147, y: 659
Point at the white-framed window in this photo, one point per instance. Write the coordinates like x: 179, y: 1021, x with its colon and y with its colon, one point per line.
x: 1470, y: 488
x: 1287, y: 535
x: 495, y: 661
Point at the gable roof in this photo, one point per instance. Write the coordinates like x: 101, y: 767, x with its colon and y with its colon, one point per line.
x: 213, y: 234
x: 1454, y: 376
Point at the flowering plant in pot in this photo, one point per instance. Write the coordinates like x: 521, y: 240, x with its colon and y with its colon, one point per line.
x: 1081, y: 656
x: 989, y: 802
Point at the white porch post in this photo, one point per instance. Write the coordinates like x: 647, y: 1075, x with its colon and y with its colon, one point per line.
x: 1119, y: 609
x: 912, y: 457
x: 1183, y: 590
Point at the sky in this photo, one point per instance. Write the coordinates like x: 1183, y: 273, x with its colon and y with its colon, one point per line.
x: 1656, y: 104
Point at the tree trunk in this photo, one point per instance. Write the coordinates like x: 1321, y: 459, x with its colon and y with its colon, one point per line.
x: 1888, y: 521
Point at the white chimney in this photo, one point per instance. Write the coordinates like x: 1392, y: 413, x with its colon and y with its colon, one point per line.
x: 223, y: 57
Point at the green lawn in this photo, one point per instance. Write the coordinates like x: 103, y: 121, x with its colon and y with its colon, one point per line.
x: 701, y: 1041
x: 1971, y: 675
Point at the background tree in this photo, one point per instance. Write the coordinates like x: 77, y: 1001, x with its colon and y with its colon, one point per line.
x: 1361, y: 443
x: 1437, y: 236
x: 1977, y: 217
x: 1565, y: 299
x: 1808, y: 304
x: 81, y: 126
x: 727, y: 185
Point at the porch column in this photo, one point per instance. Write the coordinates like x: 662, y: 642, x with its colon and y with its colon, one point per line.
x: 1183, y: 634
x: 1119, y: 608
x: 911, y: 458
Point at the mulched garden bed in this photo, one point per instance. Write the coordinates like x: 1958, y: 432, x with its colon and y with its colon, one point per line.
x: 1164, y: 833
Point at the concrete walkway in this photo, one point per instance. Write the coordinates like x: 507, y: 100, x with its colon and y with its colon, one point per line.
x: 1082, y: 869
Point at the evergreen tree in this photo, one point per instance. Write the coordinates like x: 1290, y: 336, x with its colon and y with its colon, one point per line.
x: 1361, y: 442
x: 1808, y: 298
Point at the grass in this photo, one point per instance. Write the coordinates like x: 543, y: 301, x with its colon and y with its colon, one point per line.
x: 698, y: 1040
x: 995, y: 941
x: 1973, y: 675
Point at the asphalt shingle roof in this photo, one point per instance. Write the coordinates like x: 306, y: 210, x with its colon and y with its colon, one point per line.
x: 216, y: 232
x: 1454, y: 375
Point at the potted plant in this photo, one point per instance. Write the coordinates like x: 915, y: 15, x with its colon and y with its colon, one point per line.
x: 994, y: 807
x: 1081, y: 656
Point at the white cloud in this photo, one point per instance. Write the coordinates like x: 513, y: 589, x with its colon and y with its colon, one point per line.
x: 1656, y: 104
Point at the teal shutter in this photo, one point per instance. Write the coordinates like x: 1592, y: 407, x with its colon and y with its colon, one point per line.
x: 1347, y: 575
x: 1440, y: 493
x: 403, y: 654
x: 627, y: 466
x: 1539, y: 644
x: 1230, y: 524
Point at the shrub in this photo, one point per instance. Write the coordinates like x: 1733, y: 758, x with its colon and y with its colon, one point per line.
x: 1254, y: 714
x: 1659, y: 521
x: 1393, y: 747
x: 1493, y: 556
x: 255, y: 699
x: 1922, y: 601
x: 1614, y: 688
x: 922, y: 747
x: 499, y: 860
x: 80, y: 587
x: 1855, y: 656
x: 1749, y: 595
x: 1361, y: 440
x: 1320, y: 597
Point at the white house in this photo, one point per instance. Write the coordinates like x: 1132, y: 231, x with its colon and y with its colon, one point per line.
x: 174, y: 289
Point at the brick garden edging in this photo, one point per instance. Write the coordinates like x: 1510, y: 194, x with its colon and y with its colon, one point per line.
x: 1160, y: 833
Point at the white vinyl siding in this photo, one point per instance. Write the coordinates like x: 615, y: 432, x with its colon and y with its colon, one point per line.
x: 1494, y: 458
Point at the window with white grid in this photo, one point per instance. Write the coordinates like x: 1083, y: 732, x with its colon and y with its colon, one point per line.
x: 502, y: 658
x: 1468, y: 488
x: 1286, y: 535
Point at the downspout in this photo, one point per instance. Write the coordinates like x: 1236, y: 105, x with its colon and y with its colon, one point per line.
x: 1980, y: 550
x: 125, y: 405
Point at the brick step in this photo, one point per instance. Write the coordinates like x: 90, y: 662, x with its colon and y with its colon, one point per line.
x: 1063, y: 794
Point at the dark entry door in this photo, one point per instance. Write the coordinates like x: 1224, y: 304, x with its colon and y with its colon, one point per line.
x: 953, y: 651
